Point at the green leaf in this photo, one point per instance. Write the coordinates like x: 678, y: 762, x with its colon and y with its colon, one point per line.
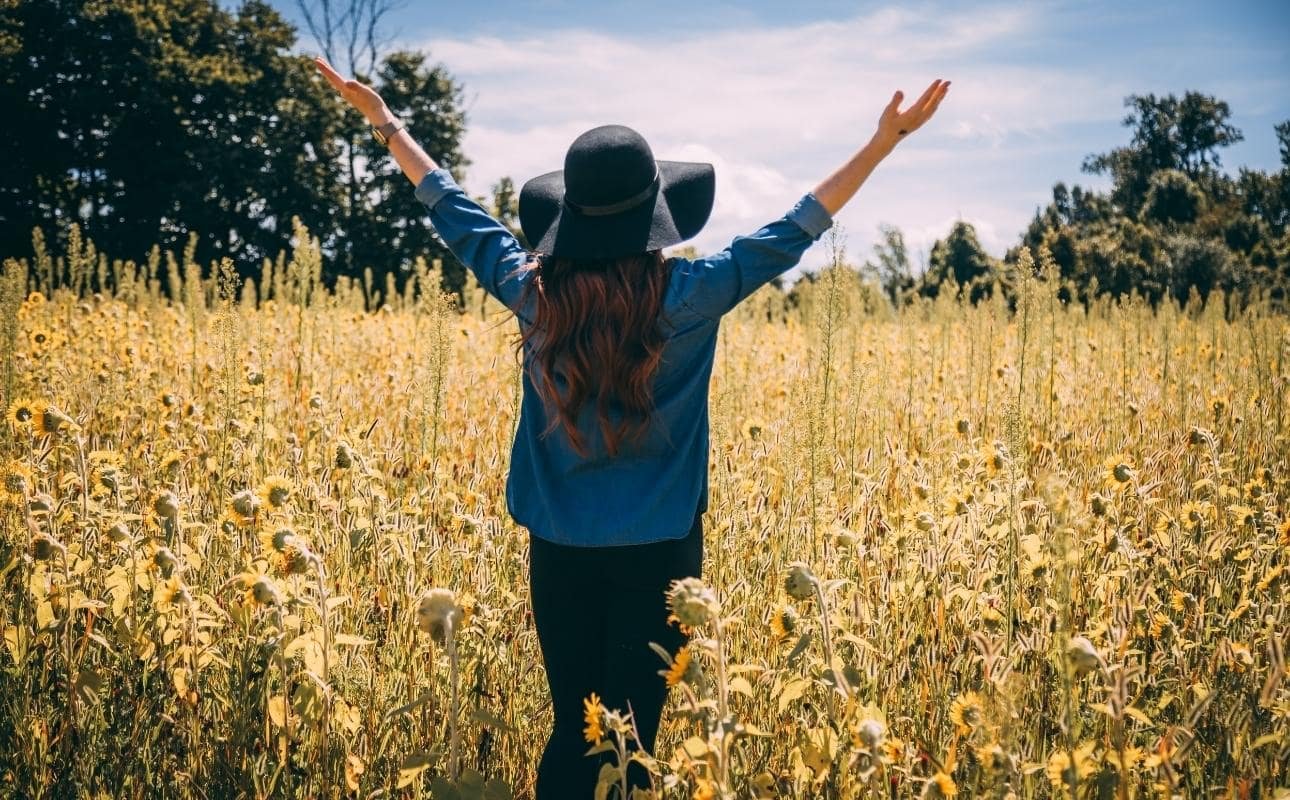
x: 792, y: 691
x: 605, y: 746
x: 412, y: 767
x: 486, y: 717
x: 695, y: 747
x: 441, y: 789
x: 802, y: 643
x: 497, y: 789
x: 351, y: 639
x: 740, y: 684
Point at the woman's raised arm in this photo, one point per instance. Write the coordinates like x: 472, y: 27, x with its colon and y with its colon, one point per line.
x: 410, y: 157
x: 835, y: 190
x: 474, y: 236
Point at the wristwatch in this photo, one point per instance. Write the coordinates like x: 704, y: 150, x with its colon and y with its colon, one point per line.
x: 384, y: 132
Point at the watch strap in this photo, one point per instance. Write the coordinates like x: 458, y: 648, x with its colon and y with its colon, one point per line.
x: 385, y: 131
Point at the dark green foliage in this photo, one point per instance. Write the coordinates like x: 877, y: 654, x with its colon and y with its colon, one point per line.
x: 143, y: 121
x: 1172, y: 222
x: 961, y: 259
x: 1172, y: 198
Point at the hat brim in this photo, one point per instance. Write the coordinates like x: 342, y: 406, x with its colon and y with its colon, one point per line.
x: 678, y: 211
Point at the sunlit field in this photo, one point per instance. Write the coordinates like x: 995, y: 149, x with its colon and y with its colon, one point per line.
x: 255, y: 543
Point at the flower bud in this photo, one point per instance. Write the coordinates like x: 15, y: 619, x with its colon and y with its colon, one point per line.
x: 692, y: 602
x: 800, y: 583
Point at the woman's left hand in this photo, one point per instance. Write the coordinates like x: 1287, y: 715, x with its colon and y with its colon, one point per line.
x: 359, y: 95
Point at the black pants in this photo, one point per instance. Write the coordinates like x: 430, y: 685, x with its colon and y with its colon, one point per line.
x: 596, y: 609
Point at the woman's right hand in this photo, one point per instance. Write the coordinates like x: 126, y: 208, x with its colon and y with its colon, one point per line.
x: 361, y: 96
x: 895, y: 125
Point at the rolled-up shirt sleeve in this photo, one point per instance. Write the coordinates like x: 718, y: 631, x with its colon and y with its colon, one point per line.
x: 714, y: 285
x: 475, y: 237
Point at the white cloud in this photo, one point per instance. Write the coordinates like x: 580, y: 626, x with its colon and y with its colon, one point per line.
x: 775, y: 109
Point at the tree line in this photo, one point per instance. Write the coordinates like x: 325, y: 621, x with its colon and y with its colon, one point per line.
x: 190, y: 127
x: 147, y: 123
x: 1172, y: 224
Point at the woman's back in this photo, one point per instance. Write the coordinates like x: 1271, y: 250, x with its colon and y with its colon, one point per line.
x: 650, y: 490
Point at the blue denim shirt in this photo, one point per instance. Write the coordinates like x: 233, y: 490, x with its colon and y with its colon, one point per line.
x: 653, y: 489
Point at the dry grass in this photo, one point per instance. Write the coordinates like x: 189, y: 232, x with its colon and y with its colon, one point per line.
x: 1049, y: 547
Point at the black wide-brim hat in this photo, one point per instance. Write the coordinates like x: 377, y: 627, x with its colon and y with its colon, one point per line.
x: 613, y: 199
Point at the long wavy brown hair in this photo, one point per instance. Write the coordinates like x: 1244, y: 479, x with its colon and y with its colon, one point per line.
x: 595, y: 332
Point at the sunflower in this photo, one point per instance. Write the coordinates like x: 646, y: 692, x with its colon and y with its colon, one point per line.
x: 15, y: 482
x: 288, y: 551
x: 966, y: 712
x: 997, y: 760
x: 259, y: 588
x: 957, y: 503
x: 783, y: 622
x: 680, y: 665
x: 171, y: 463
x: 1119, y: 471
x: 1061, y: 772
x: 227, y: 525
x: 105, y: 475
x: 22, y: 413
x: 868, y: 734
x: 243, y: 507
x: 893, y: 749
x: 941, y: 785
x: 1181, y: 601
x: 41, y: 338
x: 1161, y: 626
x: 50, y: 420
x: 1271, y: 579
x: 1242, y: 608
x: 992, y: 455
x: 276, y: 491
x: 1283, y: 533
x: 1194, y: 514
x: 173, y: 592
x: 1241, y: 515
x: 592, y: 713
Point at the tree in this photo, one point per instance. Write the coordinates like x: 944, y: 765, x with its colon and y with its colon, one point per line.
x: 1168, y: 133
x: 1172, y: 199
x: 892, y: 272
x: 145, y: 121
x: 959, y: 257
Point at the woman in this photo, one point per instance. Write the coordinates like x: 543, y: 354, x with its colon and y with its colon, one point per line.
x: 609, y: 464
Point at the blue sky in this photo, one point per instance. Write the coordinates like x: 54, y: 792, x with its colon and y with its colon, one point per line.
x: 777, y: 94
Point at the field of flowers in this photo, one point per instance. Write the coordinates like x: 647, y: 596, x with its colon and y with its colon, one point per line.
x: 255, y: 544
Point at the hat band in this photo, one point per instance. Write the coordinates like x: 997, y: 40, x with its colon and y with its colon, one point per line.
x: 621, y: 205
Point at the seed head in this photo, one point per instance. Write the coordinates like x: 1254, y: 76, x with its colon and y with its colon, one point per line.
x: 1082, y: 655
x: 44, y: 546
x: 800, y: 583
x: 870, y: 733
x: 692, y: 602
x: 245, y: 504
x: 344, y: 456
x: 263, y: 591
x: 165, y: 562
x: 438, y: 614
